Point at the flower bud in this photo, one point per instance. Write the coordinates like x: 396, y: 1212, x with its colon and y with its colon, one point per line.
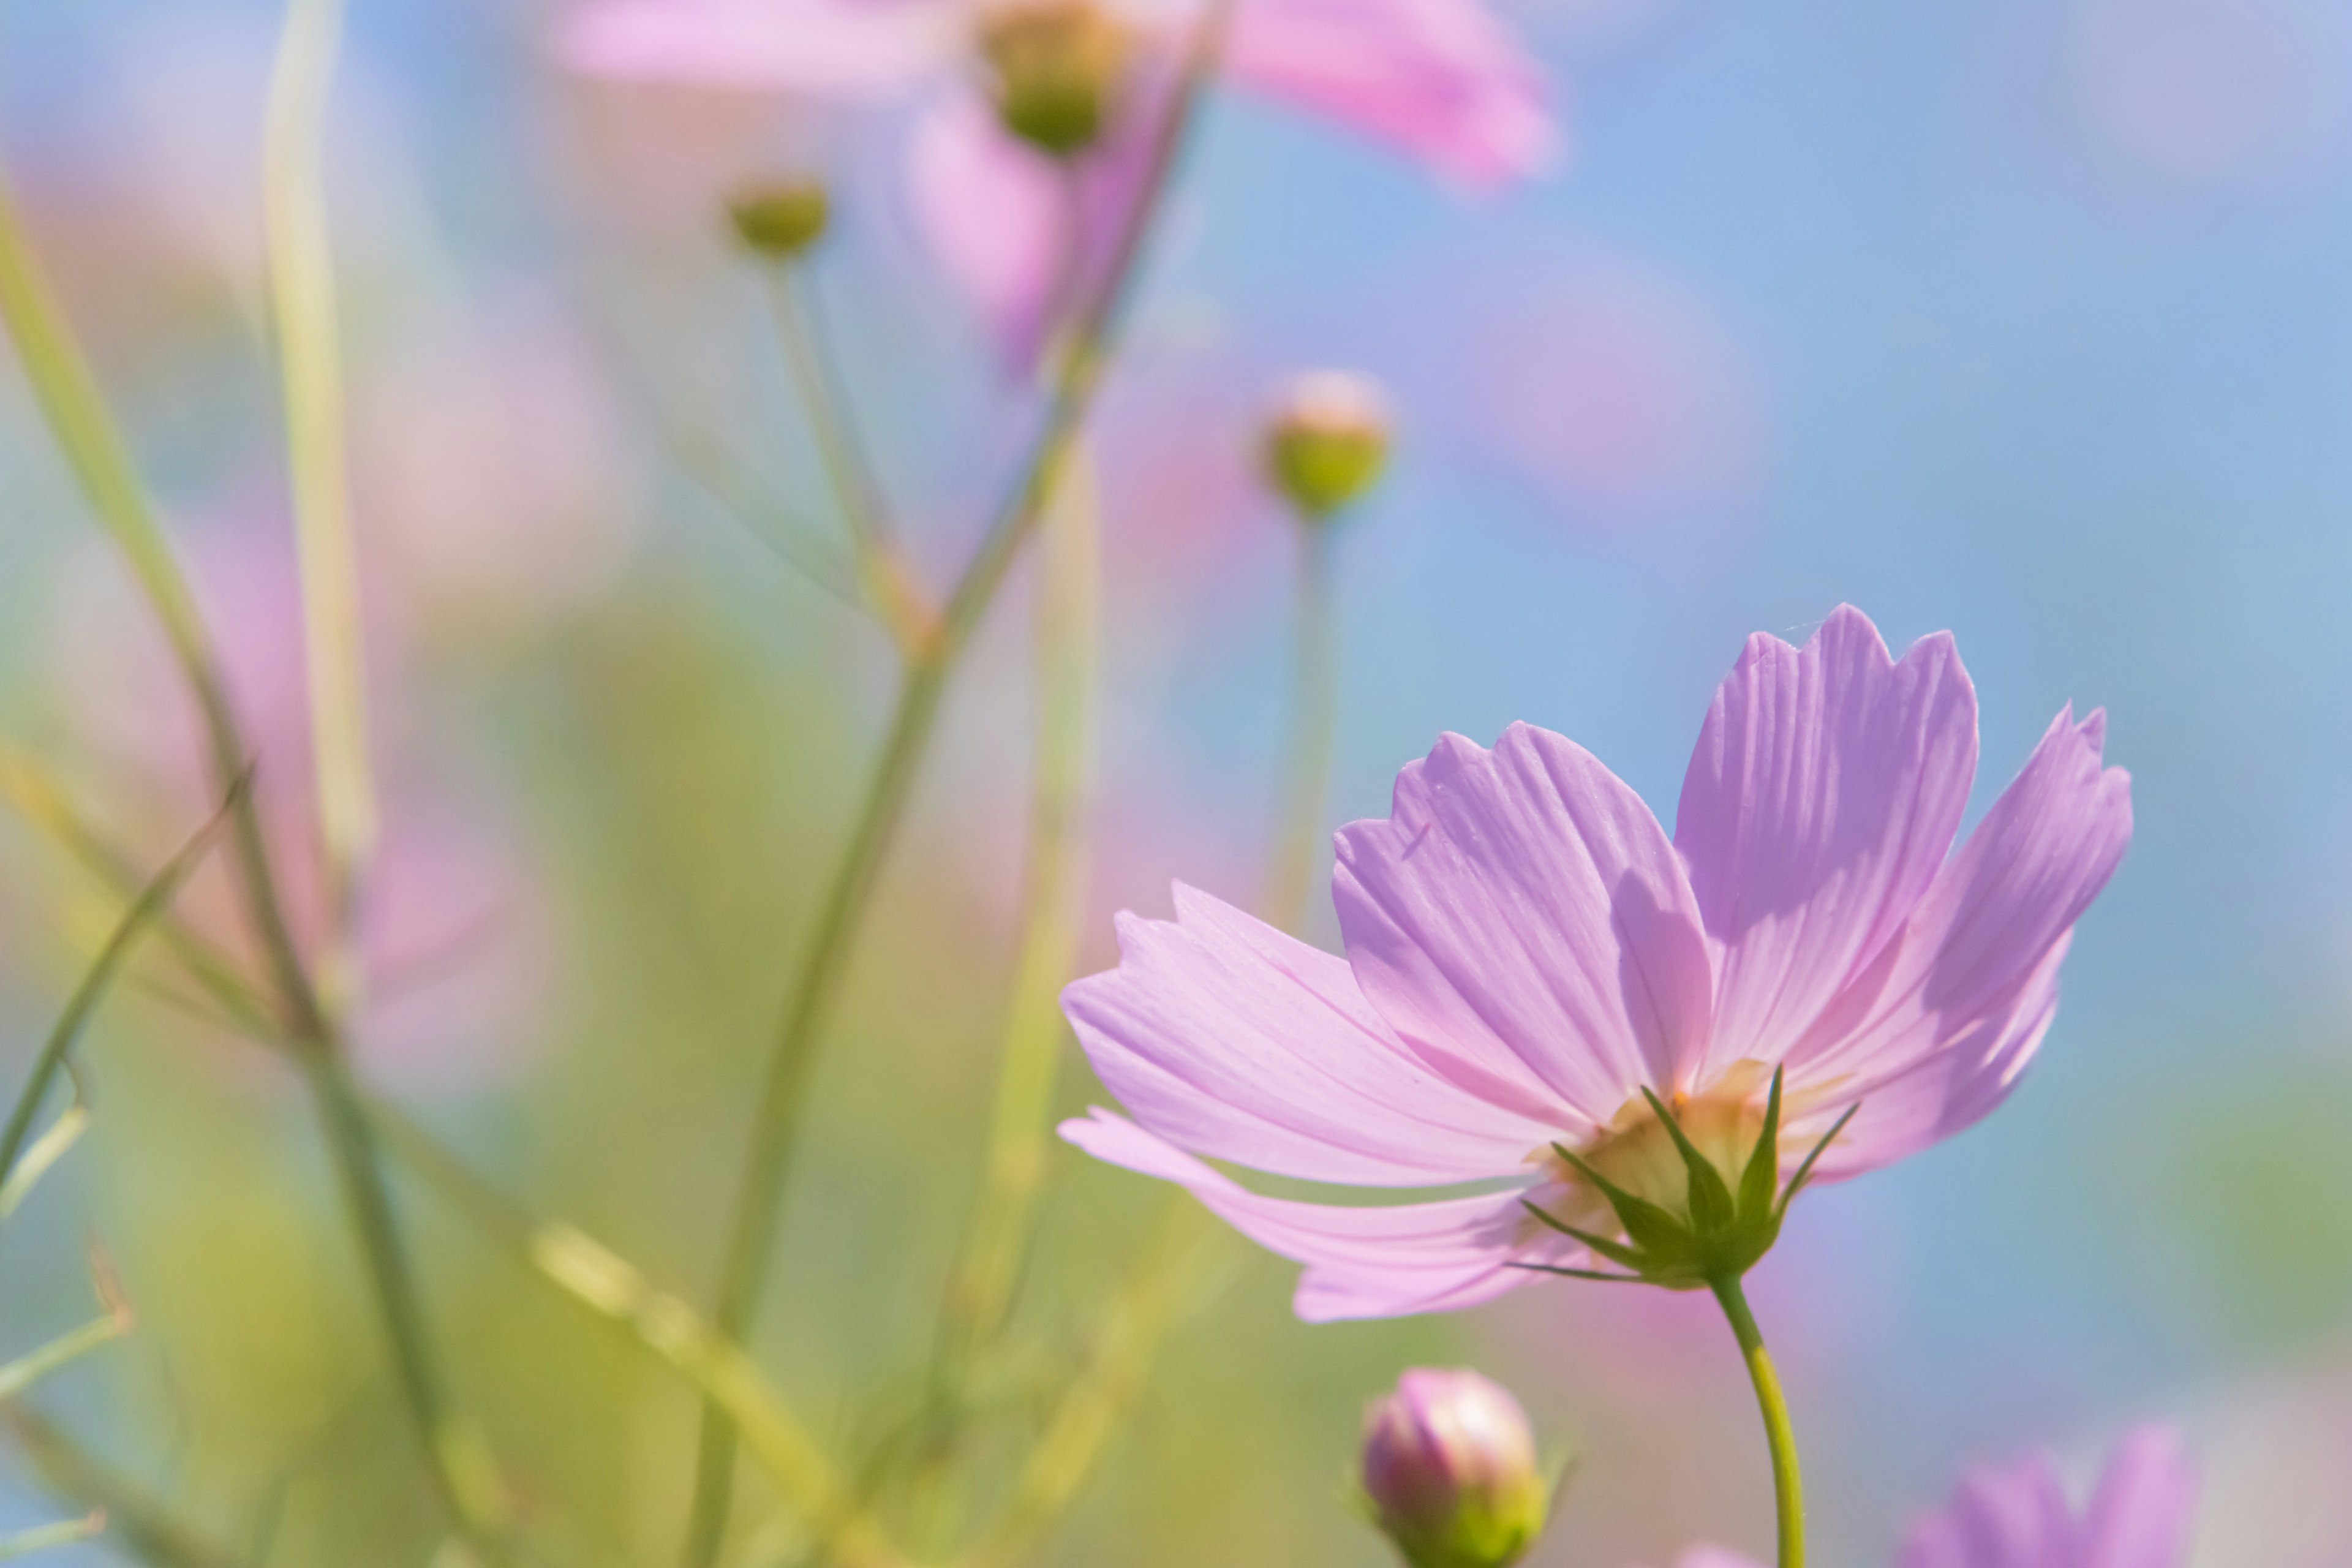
x: 780, y: 219
x: 1326, y: 441
x: 1450, y: 1469
x: 1056, y: 69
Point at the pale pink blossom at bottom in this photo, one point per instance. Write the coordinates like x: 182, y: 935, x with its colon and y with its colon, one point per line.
x: 2017, y: 1515
x: 1527, y: 951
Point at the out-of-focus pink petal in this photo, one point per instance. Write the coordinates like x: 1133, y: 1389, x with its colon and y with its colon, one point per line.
x: 2009, y: 1516
x: 1224, y: 1036
x: 1820, y: 803
x: 2016, y: 1515
x: 1713, y: 1557
x: 999, y: 216
x: 2140, y: 1517
x: 1987, y: 927
x: 1443, y: 79
x: 1522, y: 922
x: 1361, y: 1262
x: 841, y: 48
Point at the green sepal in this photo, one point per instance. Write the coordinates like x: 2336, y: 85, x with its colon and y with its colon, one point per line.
x: 1710, y: 1200
x: 1759, y: 1182
x: 1615, y: 1251
x: 1653, y: 1229
x: 1805, y: 1172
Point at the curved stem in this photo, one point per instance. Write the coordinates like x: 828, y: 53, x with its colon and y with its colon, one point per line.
x: 1068, y: 637
x: 1312, y: 720
x: 776, y: 1118
x: 309, y: 353
x: 1788, y: 1488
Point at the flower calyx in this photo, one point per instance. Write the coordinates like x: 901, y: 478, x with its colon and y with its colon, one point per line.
x: 1718, y: 1233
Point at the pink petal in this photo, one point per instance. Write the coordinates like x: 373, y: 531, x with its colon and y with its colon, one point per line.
x: 848, y: 48
x: 1523, y: 923
x: 1224, y: 1036
x: 1713, y: 1557
x: 999, y: 214
x: 2139, y: 1518
x: 1945, y: 1092
x: 1361, y: 1262
x: 1977, y: 957
x: 1820, y: 803
x: 1443, y: 79
x: 2014, y: 1516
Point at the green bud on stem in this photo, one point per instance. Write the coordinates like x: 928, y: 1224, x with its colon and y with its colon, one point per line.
x: 1056, y: 69
x: 781, y: 218
x: 1326, y: 441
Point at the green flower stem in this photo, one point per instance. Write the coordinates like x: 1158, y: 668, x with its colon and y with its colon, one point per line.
x: 884, y: 578
x: 1068, y: 650
x: 153, y: 900
x: 309, y: 353
x: 1313, y: 724
x: 776, y: 1119
x: 67, y: 395
x: 1788, y: 1488
x: 135, y: 1522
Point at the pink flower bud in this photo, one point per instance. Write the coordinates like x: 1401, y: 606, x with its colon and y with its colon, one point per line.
x: 1451, y: 1472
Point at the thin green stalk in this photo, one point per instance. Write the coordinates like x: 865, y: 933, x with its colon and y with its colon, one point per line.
x: 302, y: 298
x: 78, y: 417
x: 1788, y: 1486
x: 135, y: 1521
x: 1068, y: 651
x: 151, y: 903
x: 883, y: 575
x: 46, y: 1537
x: 1178, y: 1269
x: 592, y: 1275
x: 1313, y: 722
x: 776, y: 1118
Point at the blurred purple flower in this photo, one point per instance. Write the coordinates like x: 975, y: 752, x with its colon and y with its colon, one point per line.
x: 455, y: 934
x: 1526, y: 952
x: 2016, y: 1516
x: 1443, y: 80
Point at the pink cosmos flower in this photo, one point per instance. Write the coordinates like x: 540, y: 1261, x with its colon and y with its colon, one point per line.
x: 1528, y: 952
x: 1443, y: 80
x: 2016, y: 1516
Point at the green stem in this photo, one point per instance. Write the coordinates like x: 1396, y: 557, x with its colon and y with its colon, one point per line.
x: 135, y: 1522
x: 69, y: 400
x: 776, y: 1118
x: 1788, y: 1488
x: 980, y: 1290
x: 1312, y: 720
x: 302, y: 298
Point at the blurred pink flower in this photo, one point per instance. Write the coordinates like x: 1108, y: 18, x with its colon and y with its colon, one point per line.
x: 453, y: 931
x: 1526, y: 952
x: 1443, y: 80
x: 2016, y: 1515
